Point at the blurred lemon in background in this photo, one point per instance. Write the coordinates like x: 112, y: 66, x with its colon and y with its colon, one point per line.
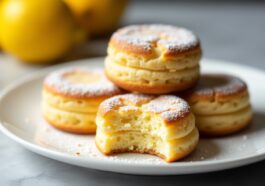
x: 0, y: 26
x: 98, y: 17
x: 37, y: 31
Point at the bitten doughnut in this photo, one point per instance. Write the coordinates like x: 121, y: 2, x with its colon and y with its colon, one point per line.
x: 153, y: 59
x: 71, y: 98
x: 220, y: 103
x: 163, y: 126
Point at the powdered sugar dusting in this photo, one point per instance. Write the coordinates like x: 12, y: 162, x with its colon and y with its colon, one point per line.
x: 110, y: 104
x: 83, y: 146
x: 233, y: 86
x: 103, y: 87
x: 170, y: 107
x: 147, y: 36
x: 129, y: 108
x: 136, y: 39
x: 124, y: 100
x: 219, y: 84
x: 136, y: 99
x: 178, y: 39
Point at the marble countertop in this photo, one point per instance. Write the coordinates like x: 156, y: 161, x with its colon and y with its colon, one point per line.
x: 230, y: 32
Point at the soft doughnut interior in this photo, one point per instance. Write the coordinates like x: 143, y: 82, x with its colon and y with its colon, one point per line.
x: 145, y: 122
x: 136, y: 141
x: 131, y: 128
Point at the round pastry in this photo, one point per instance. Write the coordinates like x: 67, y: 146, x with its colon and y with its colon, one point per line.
x: 163, y: 126
x: 153, y: 59
x: 220, y: 103
x: 71, y: 98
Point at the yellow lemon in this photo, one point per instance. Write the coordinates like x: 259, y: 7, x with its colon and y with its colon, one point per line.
x: 36, y: 31
x: 0, y: 26
x: 98, y: 17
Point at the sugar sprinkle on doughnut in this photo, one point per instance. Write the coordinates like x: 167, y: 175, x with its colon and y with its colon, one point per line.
x: 170, y: 37
x: 219, y: 84
x: 170, y: 107
x: 128, y: 108
x: 137, y: 99
x: 57, y: 81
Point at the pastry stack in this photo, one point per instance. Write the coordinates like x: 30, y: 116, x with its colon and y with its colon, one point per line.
x: 167, y: 100
x: 71, y: 98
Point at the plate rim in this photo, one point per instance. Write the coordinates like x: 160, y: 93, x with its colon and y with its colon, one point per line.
x: 213, y: 165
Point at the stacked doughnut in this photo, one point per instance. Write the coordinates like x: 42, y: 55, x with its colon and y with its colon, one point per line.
x: 220, y: 103
x: 160, y: 59
x: 148, y: 61
x: 71, y: 98
x: 153, y: 59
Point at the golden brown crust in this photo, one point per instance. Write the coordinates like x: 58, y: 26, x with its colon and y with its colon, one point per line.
x: 77, y: 96
x: 142, y: 40
x: 130, y: 49
x: 141, y: 51
x: 171, y: 109
x: 117, y: 101
x: 71, y: 128
x: 151, y: 89
x: 175, y: 53
x: 180, y: 120
x: 98, y: 87
x: 216, y: 87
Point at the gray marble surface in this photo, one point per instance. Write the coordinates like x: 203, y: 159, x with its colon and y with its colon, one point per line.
x: 233, y: 32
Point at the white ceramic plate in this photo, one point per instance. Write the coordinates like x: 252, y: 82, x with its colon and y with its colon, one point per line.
x: 21, y: 120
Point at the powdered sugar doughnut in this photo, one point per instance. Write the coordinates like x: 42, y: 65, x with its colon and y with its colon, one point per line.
x: 80, y: 83
x: 153, y: 59
x: 220, y: 103
x: 151, y: 122
x: 71, y: 97
x: 143, y: 39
